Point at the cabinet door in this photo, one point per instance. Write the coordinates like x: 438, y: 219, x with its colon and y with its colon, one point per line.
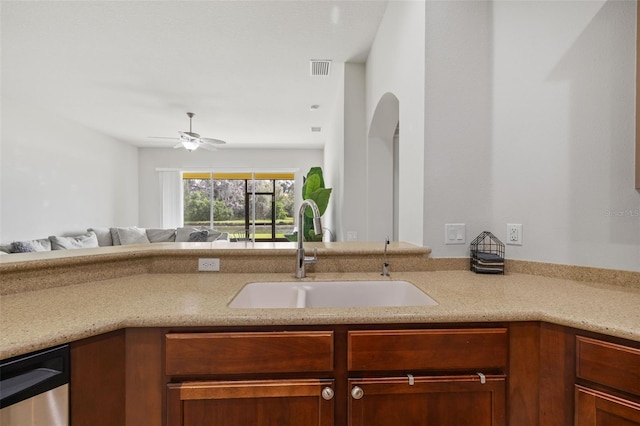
x: 255, y: 403
x: 429, y: 401
x: 595, y: 408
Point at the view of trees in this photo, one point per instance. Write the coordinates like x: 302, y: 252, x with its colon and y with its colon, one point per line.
x: 230, y: 197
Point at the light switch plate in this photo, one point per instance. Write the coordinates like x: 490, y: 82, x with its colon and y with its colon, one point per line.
x: 455, y: 233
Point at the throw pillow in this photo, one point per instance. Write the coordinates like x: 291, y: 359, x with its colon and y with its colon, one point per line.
x: 161, y: 235
x: 88, y: 240
x: 103, y: 235
x: 30, y: 246
x: 182, y: 234
x: 132, y: 235
x: 22, y: 247
x: 213, y: 235
x: 198, y: 236
x: 223, y: 237
x: 115, y: 238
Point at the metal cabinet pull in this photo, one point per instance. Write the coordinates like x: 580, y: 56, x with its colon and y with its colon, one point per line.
x: 357, y: 392
x: 327, y: 393
x: 483, y: 378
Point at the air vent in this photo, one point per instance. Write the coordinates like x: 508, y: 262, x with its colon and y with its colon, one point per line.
x: 316, y: 129
x: 320, y: 67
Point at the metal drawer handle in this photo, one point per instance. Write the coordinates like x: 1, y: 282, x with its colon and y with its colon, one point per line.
x: 357, y: 392
x: 327, y: 393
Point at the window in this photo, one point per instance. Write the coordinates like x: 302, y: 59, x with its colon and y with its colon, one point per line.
x: 248, y: 206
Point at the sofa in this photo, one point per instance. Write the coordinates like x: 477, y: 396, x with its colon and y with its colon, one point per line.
x: 103, y: 237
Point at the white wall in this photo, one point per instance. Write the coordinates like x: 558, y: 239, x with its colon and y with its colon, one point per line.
x: 59, y: 178
x: 530, y: 119
x: 564, y: 126
x: 151, y: 159
x: 354, y: 171
x: 458, y: 121
x: 333, y: 169
x: 396, y: 65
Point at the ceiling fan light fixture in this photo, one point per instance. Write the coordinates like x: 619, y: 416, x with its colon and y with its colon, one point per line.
x: 190, y: 145
x: 188, y: 142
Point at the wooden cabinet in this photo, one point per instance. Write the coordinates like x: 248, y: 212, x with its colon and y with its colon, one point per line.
x: 248, y: 353
x: 608, y: 393
x: 404, y: 377
x: 538, y: 373
x: 428, y: 350
x: 436, y: 400
x: 212, y: 385
x: 594, y: 408
x: 256, y: 403
x: 426, y: 392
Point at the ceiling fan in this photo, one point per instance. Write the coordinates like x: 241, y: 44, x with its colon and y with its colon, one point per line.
x: 192, y: 141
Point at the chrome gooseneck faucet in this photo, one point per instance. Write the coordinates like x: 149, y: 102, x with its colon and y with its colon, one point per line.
x: 301, y: 259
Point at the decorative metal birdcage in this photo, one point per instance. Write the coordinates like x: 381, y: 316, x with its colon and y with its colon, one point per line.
x: 487, y: 254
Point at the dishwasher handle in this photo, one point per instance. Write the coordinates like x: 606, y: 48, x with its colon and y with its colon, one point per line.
x: 30, y: 375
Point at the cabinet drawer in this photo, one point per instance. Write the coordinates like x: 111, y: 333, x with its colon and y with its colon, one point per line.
x: 608, y: 364
x: 247, y: 353
x: 411, y: 350
x: 594, y: 408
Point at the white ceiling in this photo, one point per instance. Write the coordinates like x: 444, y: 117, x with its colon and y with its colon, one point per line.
x: 132, y: 69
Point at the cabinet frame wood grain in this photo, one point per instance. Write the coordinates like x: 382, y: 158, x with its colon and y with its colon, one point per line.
x: 594, y: 408
x: 608, y: 364
x: 248, y: 352
x: 428, y: 350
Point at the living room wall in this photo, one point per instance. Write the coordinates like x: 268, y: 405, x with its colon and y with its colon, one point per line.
x: 59, y: 178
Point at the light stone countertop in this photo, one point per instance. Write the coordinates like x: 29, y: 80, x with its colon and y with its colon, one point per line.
x: 37, y: 319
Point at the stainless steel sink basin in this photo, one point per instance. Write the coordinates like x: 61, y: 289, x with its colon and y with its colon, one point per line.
x: 330, y: 294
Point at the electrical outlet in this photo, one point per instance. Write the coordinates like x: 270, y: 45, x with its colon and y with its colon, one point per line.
x: 209, y: 265
x: 352, y: 236
x: 514, y: 234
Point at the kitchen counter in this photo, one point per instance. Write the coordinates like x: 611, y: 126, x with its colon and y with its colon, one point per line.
x: 36, y: 319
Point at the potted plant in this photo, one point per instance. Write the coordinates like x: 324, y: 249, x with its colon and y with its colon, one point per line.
x: 313, y: 189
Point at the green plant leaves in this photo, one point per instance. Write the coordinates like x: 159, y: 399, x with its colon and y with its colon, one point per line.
x: 321, y: 197
x: 313, y: 189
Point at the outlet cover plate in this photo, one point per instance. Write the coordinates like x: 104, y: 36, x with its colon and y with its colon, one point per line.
x: 514, y: 234
x: 209, y: 265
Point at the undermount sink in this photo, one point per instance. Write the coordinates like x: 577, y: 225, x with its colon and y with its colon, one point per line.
x: 330, y: 294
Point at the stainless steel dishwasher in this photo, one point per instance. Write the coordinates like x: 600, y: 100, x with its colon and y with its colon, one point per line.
x: 34, y: 389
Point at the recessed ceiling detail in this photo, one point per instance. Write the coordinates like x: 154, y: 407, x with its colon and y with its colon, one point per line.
x: 320, y: 67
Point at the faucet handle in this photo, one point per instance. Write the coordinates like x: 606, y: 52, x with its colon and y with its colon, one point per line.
x: 312, y: 259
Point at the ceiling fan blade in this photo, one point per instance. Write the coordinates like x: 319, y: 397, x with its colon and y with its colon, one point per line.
x: 178, y: 145
x: 208, y: 147
x: 212, y: 141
